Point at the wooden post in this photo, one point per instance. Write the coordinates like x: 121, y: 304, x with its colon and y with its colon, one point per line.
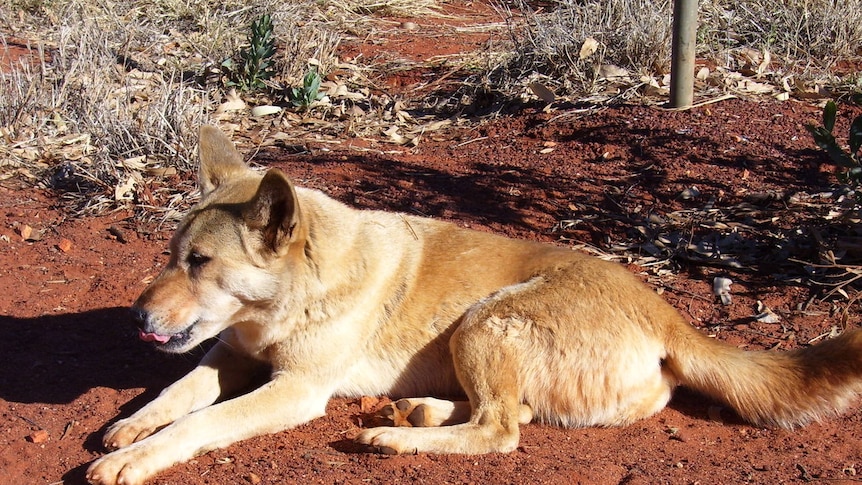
x: 683, y: 52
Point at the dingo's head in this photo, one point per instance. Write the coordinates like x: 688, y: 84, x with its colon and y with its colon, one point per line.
x: 230, y: 255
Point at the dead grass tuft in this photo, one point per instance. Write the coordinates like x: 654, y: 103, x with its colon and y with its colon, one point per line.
x: 118, y: 89
x: 816, y: 32
x: 394, y: 8
x: 799, y: 39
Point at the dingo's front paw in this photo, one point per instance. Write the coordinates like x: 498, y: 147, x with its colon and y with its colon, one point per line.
x: 125, y: 432
x: 389, y: 441
x: 124, y: 467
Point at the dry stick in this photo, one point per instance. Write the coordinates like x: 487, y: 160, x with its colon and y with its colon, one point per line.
x: 719, y: 99
x: 31, y: 422
x: 471, y: 141
x: 838, y: 286
x: 441, y: 78
x: 847, y: 309
x: 833, y: 265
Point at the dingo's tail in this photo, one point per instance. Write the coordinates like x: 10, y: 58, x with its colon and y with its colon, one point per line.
x: 783, y: 389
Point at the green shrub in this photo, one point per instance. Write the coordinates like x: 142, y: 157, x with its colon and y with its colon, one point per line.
x: 852, y: 160
x: 255, y: 64
x: 302, y: 97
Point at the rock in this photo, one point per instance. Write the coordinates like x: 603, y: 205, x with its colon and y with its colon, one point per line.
x: 38, y: 436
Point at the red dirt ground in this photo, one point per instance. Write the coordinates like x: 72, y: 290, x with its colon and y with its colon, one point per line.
x: 71, y: 362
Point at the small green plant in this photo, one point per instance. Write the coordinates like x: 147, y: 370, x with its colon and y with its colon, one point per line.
x: 302, y: 97
x: 255, y: 64
x: 852, y: 160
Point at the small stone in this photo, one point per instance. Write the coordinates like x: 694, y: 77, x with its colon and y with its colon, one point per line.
x: 38, y: 436
x: 65, y: 245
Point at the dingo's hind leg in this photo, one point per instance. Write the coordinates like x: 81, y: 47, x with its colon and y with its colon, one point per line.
x: 488, y: 350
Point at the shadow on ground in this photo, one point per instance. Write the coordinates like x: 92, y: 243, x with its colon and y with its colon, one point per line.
x: 56, y: 358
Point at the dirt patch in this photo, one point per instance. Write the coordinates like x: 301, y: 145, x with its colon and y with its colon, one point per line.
x: 18, y: 53
x: 596, y: 180
x: 72, y: 362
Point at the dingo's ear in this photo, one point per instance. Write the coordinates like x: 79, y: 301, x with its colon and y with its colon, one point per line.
x: 274, y: 210
x: 219, y: 159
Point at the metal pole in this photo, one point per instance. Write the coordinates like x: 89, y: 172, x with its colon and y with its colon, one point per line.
x: 682, y: 54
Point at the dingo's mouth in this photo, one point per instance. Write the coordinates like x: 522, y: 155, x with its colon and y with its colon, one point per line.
x: 153, y: 337
x: 165, y: 341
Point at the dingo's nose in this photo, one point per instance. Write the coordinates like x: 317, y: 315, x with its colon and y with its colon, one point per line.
x: 139, y: 316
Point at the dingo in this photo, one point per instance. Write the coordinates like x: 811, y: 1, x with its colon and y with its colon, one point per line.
x: 343, y: 302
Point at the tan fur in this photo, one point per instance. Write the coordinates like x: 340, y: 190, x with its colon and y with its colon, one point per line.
x: 341, y: 302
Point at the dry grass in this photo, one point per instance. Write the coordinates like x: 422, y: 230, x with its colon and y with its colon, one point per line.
x: 394, y: 8
x: 633, y: 34
x: 816, y: 32
x: 804, y: 38
x: 124, y: 85
x: 119, y: 88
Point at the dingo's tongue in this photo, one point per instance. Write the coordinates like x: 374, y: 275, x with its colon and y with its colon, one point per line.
x: 153, y: 337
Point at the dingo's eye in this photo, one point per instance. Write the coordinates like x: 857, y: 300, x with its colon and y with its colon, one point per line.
x: 196, y: 260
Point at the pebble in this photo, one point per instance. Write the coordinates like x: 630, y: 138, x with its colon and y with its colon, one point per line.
x: 38, y: 436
